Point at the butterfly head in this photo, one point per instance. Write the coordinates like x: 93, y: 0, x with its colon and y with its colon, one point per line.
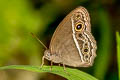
x: 48, y: 55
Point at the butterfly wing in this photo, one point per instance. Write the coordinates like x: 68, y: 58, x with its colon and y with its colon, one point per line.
x: 65, y: 45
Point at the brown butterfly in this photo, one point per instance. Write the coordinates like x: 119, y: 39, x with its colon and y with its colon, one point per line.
x: 72, y: 43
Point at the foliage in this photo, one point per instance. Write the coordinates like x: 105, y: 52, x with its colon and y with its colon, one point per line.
x: 70, y: 74
x: 118, y: 51
x: 20, y: 17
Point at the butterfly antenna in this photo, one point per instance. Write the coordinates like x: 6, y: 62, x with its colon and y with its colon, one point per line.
x: 39, y: 40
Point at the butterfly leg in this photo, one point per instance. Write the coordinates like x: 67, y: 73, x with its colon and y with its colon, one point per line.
x: 65, y: 70
x: 64, y: 67
x: 42, y: 62
x: 59, y: 65
x: 51, y: 66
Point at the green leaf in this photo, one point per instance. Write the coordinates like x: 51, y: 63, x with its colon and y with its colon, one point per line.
x: 70, y: 74
x: 118, y: 51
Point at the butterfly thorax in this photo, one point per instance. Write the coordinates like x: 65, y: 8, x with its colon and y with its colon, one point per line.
x: 52, y: 56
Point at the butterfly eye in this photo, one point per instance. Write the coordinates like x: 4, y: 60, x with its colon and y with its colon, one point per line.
x: 78, y: 27
x: 48, y: 55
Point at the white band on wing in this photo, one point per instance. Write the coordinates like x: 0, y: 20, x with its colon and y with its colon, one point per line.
x: 75, y: 40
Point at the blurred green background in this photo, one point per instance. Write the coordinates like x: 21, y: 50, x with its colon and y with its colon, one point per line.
x: 20, y: 17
